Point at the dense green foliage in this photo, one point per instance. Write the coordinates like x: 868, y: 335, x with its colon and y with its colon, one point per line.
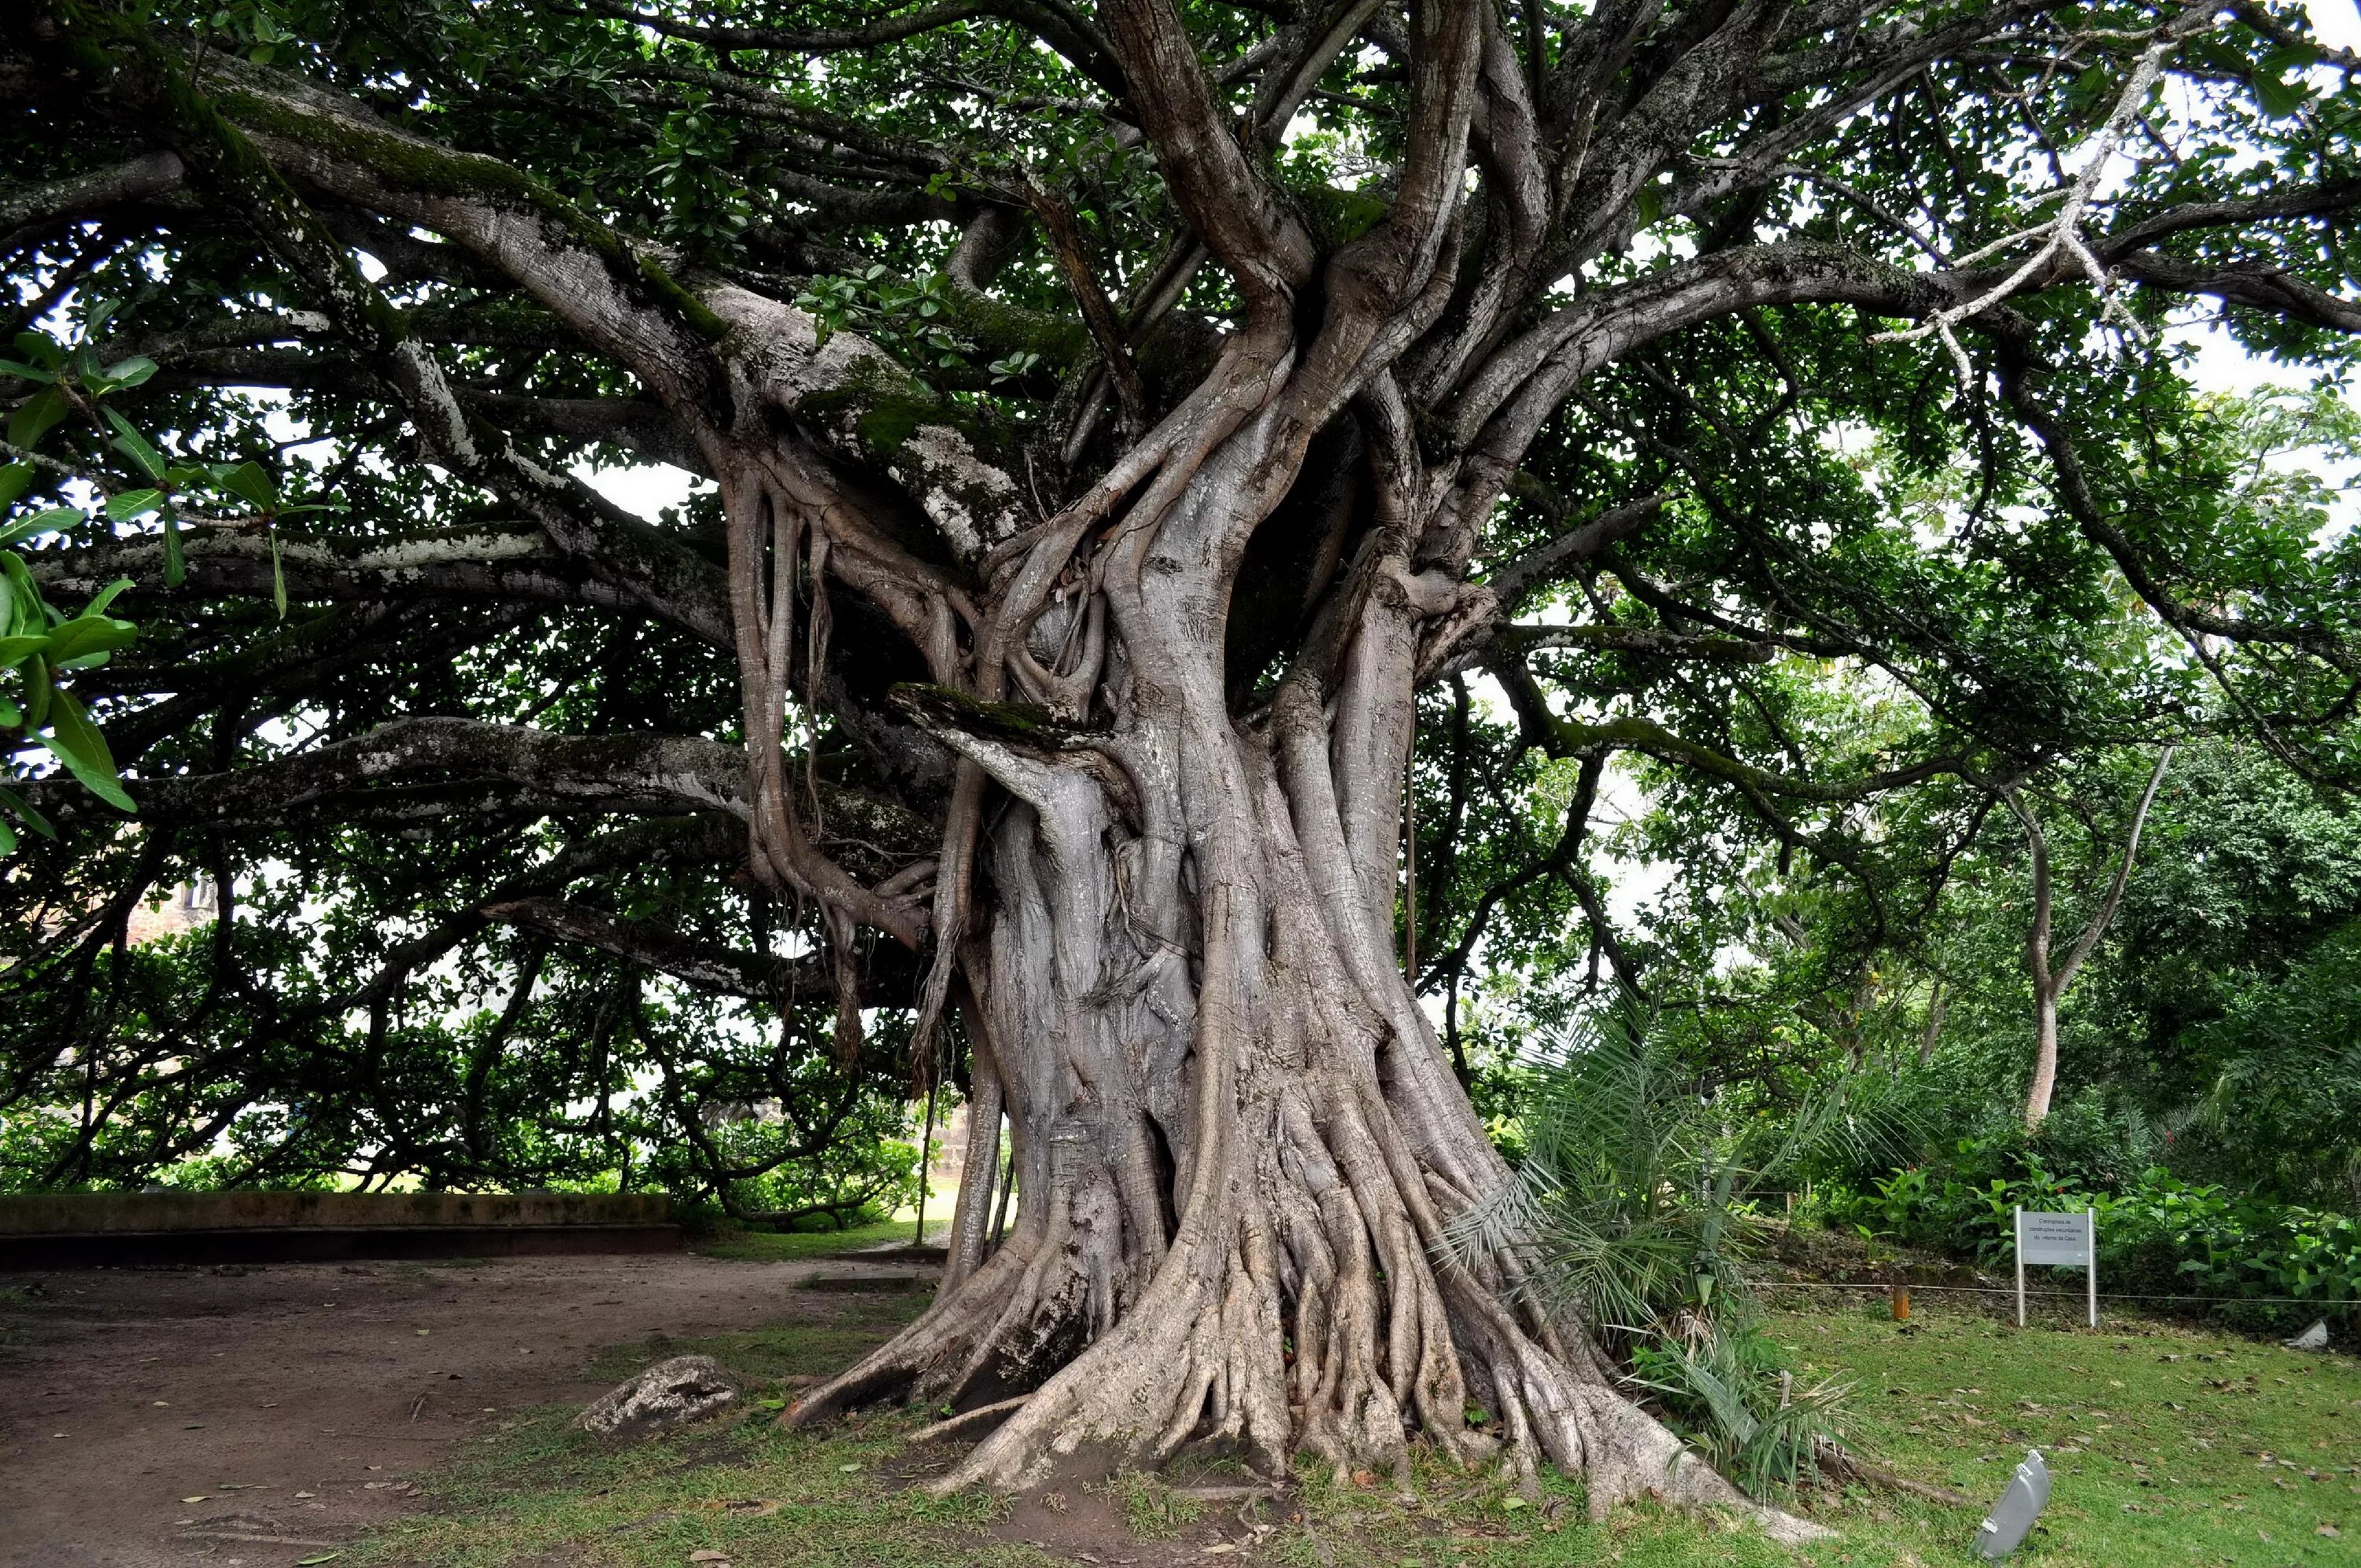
x: 1864, y: 603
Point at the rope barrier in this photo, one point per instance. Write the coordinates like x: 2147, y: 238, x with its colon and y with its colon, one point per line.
x: 1914, y: 1285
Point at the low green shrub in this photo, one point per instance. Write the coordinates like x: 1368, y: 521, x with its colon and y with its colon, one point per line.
x: 2157, y: 1235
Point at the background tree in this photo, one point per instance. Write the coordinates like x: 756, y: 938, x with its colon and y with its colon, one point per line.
x: 1112, y: 422
x: 2050, y: 974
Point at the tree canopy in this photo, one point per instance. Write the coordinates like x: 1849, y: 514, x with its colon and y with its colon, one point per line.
x: 1111, y: 443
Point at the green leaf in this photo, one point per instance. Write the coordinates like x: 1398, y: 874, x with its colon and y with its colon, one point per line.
x: 176, y: 565
x: 79, y: 745
x: 277, y: 577
x: 134, y: 503
x: 2280, y: 95
x: 36, y: 417
x: 40, y: 690
x: 41, y: 348
x: 131, y: 372
x: 24, y: 372
x: 87, y: 634
x: 16, y: 479
x: 249, y: 481
x: 135, y: 446
x: 16, y: 650
x: 55, y: 519
x: 107, y: 596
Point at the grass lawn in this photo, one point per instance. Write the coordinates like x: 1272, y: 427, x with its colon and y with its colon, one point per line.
x: 2171, y: 1445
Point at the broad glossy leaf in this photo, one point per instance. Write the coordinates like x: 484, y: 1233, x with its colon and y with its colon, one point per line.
x: 36, y: 417
x: 79, y: 745
x: 135, y: 446
x: 107, y: 596
x: 127, y: 373
x: 88, y: 635
x: 249, y: 483
x: 55, y: 519
x: 134, y: 503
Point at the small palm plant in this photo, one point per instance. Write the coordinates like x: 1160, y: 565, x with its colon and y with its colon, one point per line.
x: 1636, y: 1211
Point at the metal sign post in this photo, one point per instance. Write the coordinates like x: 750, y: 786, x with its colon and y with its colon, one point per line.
x: 2020, y: 1269
x: 2070, y: 1240
x: 2091, y: 1253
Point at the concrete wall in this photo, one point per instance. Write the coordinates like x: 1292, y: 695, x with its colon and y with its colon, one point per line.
x: 149, y: 1214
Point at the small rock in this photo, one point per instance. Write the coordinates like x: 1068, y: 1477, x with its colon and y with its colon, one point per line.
x: 2312, y: 1338
x: 669, y: 1393
x: 2329, y: 1530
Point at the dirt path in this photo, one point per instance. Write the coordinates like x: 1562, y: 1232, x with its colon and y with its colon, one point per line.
x: 264, y: 1415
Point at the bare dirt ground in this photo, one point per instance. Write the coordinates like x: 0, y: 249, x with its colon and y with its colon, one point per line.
x: 266, y: 1414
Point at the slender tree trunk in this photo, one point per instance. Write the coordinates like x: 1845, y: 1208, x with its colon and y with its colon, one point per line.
x: 2045, y: 1058
x: 1938, y: 1004
x: 2049, y: 983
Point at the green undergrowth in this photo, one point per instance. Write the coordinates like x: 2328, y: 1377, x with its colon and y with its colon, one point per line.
x: 790, y: 1247
x: 2171, y: 1445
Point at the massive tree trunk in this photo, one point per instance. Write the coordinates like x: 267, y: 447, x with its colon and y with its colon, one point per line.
x: 1238, y: 1139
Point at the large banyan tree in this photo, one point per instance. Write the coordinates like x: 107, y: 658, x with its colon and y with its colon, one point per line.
x: 1115, y: 420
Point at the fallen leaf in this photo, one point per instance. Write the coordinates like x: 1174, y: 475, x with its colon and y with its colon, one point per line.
x: 708, y: 1557
x: 198, y: 1499
x: 2329, y: 1530
x: 322, y: 1557
x: 307, y: 1494
x: 424, y: 1333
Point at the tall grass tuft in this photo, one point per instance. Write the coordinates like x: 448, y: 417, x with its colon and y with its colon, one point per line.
x: 1635, y: 1211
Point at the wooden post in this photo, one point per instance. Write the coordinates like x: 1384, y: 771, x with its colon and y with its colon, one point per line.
x: 1007, y: 1181
x: 925, y: 1138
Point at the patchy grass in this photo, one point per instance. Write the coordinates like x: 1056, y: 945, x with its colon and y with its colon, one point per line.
x: 535, y: 1490
x: 809, y: 1348
x: 1150, y: 1509
x: 2170, y: 1444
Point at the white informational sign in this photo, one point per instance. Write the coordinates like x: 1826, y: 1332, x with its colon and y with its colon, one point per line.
x: 2071, y: 1239
x: 2053, y: 1238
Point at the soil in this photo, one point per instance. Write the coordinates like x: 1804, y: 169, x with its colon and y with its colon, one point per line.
x: 259, y: 1416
